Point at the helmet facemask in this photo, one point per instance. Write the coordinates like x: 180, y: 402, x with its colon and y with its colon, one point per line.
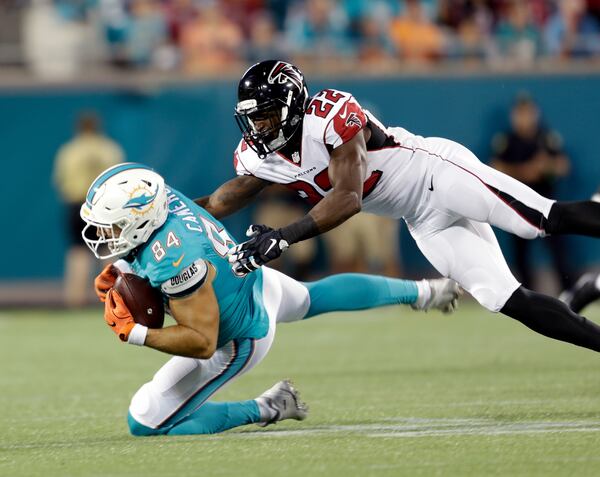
x: 110, y: 240
x: 266, y: 127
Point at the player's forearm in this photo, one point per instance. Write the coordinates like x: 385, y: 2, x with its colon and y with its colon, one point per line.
x: 180, y: 340
x: 333, y: 210
x: 232, y: 196
x: 217, y: 208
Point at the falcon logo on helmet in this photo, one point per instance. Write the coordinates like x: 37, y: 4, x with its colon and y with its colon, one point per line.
x: 283, y: 72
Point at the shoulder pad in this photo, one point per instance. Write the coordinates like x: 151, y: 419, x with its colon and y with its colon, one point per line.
x: 187, y: 281
x: 334, y: 117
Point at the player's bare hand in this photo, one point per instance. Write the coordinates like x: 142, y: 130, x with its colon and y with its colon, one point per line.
x: 117, y: 316
x: 265, y: 244
x: 105, y: 281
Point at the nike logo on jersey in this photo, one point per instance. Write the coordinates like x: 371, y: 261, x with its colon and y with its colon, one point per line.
x: 345, y: 111
x: 273, y: 243
x: 431, y: 186
x: 177, y: 262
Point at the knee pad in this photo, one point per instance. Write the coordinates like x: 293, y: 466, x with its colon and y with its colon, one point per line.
x: 492, y: 289
x: 142, y: 410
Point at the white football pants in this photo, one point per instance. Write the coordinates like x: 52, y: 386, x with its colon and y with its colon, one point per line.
x: 453, y: 229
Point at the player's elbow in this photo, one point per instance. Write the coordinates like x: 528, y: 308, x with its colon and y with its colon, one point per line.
x: 204, y: 349
x: 204, y: 353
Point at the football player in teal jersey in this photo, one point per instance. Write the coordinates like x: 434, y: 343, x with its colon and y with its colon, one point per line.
x: 225, y: 324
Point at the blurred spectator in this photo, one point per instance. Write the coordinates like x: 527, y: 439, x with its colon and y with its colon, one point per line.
x: 209, y: 35
x: 468, y: 26
x: 147, y: 32
x: 365, y: 243
x: 53, y: 43
x: 211, y: 42
x: 517, y: 37
x: 533, y: 154
x: 77, y: 164
x: 415, y: 37
x: 317, y: 30
x: 277, y: 208
x: 177, y: 14
x: 571, y: 31
x: 374, y: 46
x: 593, y: 7
x: 264, y: 41
x: 114, y: 20
x: 10, y: 32
x: 243, y: 12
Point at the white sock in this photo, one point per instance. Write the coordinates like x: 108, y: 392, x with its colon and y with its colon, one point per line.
x: 424, y: 293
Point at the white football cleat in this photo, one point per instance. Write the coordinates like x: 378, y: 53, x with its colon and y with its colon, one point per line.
x: 284, y: 400
x: 444, y: 296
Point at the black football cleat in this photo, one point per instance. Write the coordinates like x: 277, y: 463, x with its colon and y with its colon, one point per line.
x: 582, y: 293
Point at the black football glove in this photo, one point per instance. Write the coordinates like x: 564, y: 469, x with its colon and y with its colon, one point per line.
x: 265, y: 244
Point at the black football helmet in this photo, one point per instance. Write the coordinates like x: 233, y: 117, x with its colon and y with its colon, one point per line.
x: 272, y: 97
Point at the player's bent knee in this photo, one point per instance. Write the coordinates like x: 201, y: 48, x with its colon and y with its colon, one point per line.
x: 143, y: 411
x: 491, y: 299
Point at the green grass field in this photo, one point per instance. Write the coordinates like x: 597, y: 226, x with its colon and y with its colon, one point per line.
x: 391, y: 392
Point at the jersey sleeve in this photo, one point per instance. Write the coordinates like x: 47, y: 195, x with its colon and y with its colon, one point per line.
x: 245, y: 159
x: 187, y: 281
x: 334, y: 117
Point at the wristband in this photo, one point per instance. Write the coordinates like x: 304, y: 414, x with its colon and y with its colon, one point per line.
x: 137, y: 335
x: 304, y: 229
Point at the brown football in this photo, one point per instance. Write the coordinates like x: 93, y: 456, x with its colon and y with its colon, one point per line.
x: 143, y: 301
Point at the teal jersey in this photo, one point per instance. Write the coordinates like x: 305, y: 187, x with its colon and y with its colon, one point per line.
x: 176, y: 260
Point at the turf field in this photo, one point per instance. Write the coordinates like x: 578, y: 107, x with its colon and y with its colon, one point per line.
x: 392, y: 393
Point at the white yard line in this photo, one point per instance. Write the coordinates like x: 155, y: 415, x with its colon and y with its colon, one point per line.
x: 415, y: 427
x: 408, y: 427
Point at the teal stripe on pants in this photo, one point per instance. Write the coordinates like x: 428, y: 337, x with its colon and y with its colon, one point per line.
x: 243, y: 349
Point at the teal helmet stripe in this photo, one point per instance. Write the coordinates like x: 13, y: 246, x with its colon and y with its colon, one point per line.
x: 108, y: 174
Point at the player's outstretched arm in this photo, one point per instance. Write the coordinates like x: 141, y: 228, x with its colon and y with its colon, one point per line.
x: 232, y: 196
x: 347, y: 170
x: 197, y: 328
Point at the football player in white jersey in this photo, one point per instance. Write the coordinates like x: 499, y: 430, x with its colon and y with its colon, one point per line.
x: 340, y: 158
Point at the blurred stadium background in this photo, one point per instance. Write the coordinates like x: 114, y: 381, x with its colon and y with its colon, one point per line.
x: 400, y: 393
x: 162, y: 75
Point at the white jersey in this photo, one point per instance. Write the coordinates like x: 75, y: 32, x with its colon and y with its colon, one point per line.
x: 394, y: 182
x: 446, y: 195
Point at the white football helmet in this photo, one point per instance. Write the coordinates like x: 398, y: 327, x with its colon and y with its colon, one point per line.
x: 123, y: 207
